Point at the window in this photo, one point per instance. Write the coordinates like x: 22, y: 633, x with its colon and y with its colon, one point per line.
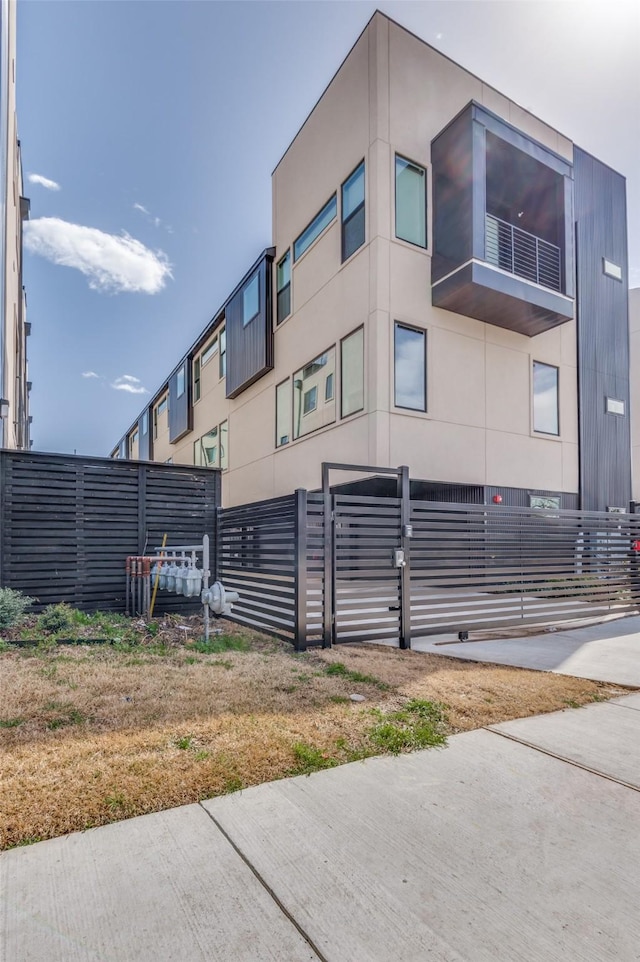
x: 163, y: 405
x: 410, y: 361
x: 315, y: 228
x: 283, y: 286
x: 223, y: 352
x: 251, y: 300
x: 180, y: 382
x: 545, y: 398
x: 133, y: 439
x: 283, y: 413
x: 310, y: 400
x: 224, y: 445
x: 328, y: 387
x: 210, y: 350
x: 308, y: 383
x: 196, y: 379
x: 158, y: 410
x: 208, y: 449
x: 352, y: 376
x: 543, y: 502
x: 353, y: 212
x: 411, y: 202
x: 614, y: 406
x: 145, y: 422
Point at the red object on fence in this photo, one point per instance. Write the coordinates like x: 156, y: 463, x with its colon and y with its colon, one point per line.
x: 497, y: 499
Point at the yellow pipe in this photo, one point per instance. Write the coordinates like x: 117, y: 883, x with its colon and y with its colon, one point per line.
x: 155, y: 587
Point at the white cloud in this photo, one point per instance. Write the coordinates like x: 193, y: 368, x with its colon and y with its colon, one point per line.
x: 43, y: 181
x: 156, y: 221
x: 90, y: 374
x: 142, y: 209
x: 113, y: 263
x: 129, y: 383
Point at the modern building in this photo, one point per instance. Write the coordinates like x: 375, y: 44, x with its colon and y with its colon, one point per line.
x: 15, y: 420
x: 446, y: 288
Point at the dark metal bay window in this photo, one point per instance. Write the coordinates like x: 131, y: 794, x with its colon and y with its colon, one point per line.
x: 546, y: 417
x: 410, y: 363
x: 283, y: 287
x: 353, y: 212
x: 411, y: 202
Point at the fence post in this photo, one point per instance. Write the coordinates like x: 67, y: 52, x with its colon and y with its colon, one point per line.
x: 329, y: 567
x: 405, y: 543
x: 217, y: 541
x: 300, y: 570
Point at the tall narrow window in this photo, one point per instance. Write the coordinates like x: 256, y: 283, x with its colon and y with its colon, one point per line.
x: 411, y: 202
x: 283, y: 284
x: 410, y: 358
x: 353, y: 212
x: 251, y: 300
x: 145, y: 421
x: 315, y: 228
x: 283, y: 413
x: 223, y: 352
x: 180, y: 379
x: 196, y: 379
x: 310, y: 387
x: 352, y: 376
x: 224, y: 445
x: 546, y: 418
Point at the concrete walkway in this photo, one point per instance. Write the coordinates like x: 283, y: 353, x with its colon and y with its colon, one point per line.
x: 521, y: 842
x: 605, y: 652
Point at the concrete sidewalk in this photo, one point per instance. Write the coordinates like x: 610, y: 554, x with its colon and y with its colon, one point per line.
x: 519, y: 842
x: 605, y: 652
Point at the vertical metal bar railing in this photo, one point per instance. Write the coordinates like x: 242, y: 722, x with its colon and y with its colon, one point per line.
x: 521, y: 253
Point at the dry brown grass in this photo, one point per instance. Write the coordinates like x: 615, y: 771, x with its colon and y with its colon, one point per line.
x: 89, y: 734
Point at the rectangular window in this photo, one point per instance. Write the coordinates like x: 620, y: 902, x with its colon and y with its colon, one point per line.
x: 352, y: 373
x: 283, y: 286
x: 308, y: 382
x: 251, y: 300
x: 283, y: 413
x: 145, y: 422
x: 545, y: 398
x: 310, y: 400
x: 223, y: 352
x: 134, y: 439
x: 329, y: 387
x: 410, y: 361
x: 180, y: 382
x: 411, y: 202
x: 315, y: 228
x: 353, y: 212
x: 209, y: 449
x: 155, y: 423
x: 163, y: 405
x: 196, y: 379
x: 210, y: 350
x: 224, y: 445
x: 540, y: 501
x: 615, y: 406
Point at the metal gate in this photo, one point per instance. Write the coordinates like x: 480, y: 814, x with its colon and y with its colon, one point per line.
x: 366, y: 574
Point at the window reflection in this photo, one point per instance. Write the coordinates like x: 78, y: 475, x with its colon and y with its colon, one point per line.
x: 410, y: 368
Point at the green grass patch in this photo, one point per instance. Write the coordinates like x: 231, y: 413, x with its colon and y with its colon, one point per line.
x: 420, y: 724
x: 219, y: 644
x: 337, y: 668
x: 310, y: 759
x: 10, y: 722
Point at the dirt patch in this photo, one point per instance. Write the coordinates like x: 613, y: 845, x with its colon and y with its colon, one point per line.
x: 94, y: 733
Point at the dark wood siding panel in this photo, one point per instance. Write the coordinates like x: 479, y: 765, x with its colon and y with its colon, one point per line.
x: 180, y: 409
x: 250, y: 348
x: 452, y: 162
x: 603, y: 334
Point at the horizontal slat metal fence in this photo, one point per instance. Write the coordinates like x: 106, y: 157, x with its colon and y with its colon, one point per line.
x: 256, y: 556
x: 475, y: 566
x: 313, y: 600
x: 68, y: 523
x: 366, y: 585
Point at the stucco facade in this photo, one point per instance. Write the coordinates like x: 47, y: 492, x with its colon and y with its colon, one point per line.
x: 390, y: 98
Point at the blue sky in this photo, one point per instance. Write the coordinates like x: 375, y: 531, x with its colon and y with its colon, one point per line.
x: 160, y: 124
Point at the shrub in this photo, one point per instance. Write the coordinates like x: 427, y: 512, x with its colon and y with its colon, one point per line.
x: 13, y: 605
x: 55, y: 618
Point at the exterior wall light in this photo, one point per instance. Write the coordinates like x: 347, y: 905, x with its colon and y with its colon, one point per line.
x: 4, y: 408
x: 497, y: 499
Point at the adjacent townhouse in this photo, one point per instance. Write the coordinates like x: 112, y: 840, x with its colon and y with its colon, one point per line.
x: 446, y: 288
x: 15, y: 421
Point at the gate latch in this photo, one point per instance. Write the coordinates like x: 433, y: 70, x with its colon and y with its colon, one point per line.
x: 398, y: 558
